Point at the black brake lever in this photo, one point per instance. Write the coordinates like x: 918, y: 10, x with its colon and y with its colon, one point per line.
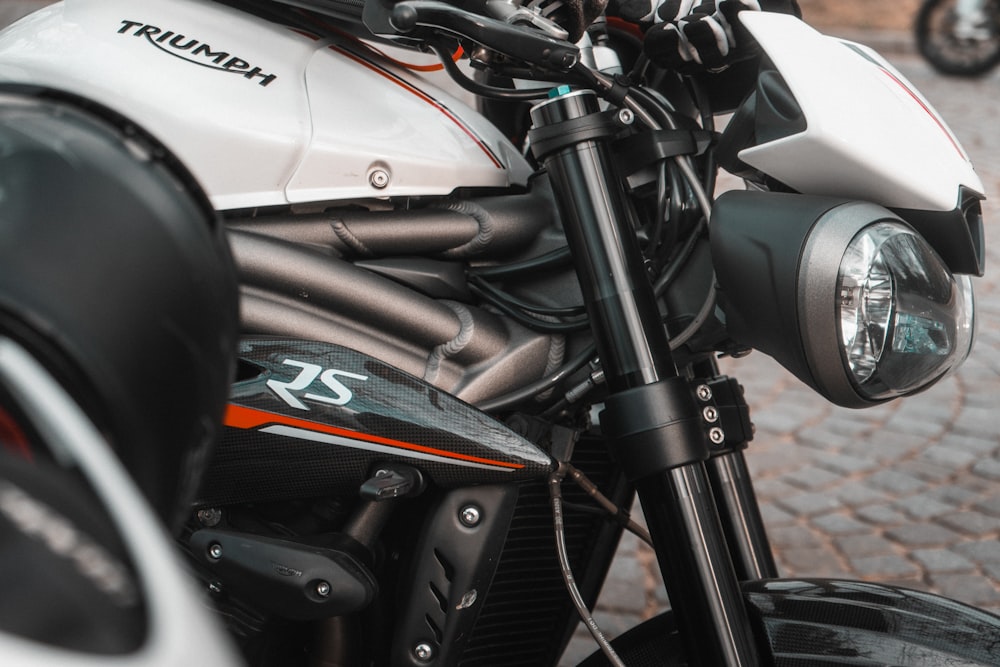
x: 517, y: 42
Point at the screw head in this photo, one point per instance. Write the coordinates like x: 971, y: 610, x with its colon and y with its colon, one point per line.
x: 378, y: 178
x: 625, y: 116
x: 470, y: 515
x: 215, y: 588
x: 323, y: 588
x: 209, y: 517
x: 704, y: 392
x: 215, y: 551
x: 423, y: 652
x: 710, y: 414
x: 717, y: 435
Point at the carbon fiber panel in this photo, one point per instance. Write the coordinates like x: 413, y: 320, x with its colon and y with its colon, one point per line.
x: 318, y: 418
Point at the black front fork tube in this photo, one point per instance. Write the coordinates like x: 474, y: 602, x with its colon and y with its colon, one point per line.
x: 650, y: 417
x: 727, y: 420
x: 742, y: 522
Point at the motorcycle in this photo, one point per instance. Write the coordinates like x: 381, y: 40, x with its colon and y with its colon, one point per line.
x: 959, y: 37
x: 471, y: 337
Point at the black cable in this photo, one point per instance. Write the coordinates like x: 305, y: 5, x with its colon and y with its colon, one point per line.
x: 678, y: 262
x: 701, y: 100
x: 524, y: 393
x: 482, y: 90
x: 510, y: 299
x: 524, y: 318
x: 553, y: 259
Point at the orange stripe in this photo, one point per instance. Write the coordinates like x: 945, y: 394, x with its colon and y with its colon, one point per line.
x: 238, y: 416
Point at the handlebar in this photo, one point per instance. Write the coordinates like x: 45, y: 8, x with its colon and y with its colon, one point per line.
x: 524, y: 44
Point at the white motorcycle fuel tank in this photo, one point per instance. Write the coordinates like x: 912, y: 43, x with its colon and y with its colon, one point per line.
x: 263, y: 114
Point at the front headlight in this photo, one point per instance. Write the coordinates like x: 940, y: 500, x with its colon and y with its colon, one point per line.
x: 903, y: 317
x: 842, y: 293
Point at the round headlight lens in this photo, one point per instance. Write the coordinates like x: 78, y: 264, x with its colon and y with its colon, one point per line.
x: 905, y: 320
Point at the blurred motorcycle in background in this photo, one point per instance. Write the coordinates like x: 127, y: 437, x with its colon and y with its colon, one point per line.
x: 959, y: 37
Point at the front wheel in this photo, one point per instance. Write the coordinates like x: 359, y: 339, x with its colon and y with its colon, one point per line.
x: 959, y: 37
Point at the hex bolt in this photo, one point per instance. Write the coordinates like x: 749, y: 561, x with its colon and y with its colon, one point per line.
x: 215, y: 551
x: 704, y: 392
x: 323, y: 589
x: 470, y: 516
x: 378, y: 178
x: 716, y: 435
x: 423, y: 652
x: 710, y: 414
x: 209, y: 517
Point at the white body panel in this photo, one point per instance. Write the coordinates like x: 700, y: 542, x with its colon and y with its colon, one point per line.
x: 869, y: 134
x: 263, y: 115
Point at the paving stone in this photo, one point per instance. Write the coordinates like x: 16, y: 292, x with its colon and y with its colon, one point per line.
x: 625, y: 585
x: 862, y: 545
x: 771, y: 488
x: 823, y: 438
x: 923, y: 534
x: 988, y: 468
x: 810, y: 563
x: 845, y: 464
x: 949, y: 457
x: 886, y: 447
x: 813, y: 477
x: 936, y: 561
x: 976, y: 444
x: 923, y: 506
x: 991, y: 569
x: 895, y: 482
x: 846, y: 424
x: 955, y: 493
x: 968, y: 588
x: 839, y: 524
x: 976, y: 419
x: 983, y: 551
x: 929, y: 471
x: 970, y: 522
x: 796, y: 536
x: 808, y: 504
x: 990, y: 505
x: 913, y: 423
x: 883, y: 567
x: 775, y: 516
x: 858, y: 493
x: 881, y: 515
x: 780, y: 420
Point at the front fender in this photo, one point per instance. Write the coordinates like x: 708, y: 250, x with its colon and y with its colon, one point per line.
x: 835, y: 622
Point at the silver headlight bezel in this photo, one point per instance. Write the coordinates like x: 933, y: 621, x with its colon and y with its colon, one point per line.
x: 820, y: 277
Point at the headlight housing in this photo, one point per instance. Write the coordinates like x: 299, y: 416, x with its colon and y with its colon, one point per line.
x: 843, y: 294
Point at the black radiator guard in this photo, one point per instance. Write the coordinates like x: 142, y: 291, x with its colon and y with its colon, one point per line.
x: 822, y: 622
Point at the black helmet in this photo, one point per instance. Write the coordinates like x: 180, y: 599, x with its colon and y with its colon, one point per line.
x: 115, y: 274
